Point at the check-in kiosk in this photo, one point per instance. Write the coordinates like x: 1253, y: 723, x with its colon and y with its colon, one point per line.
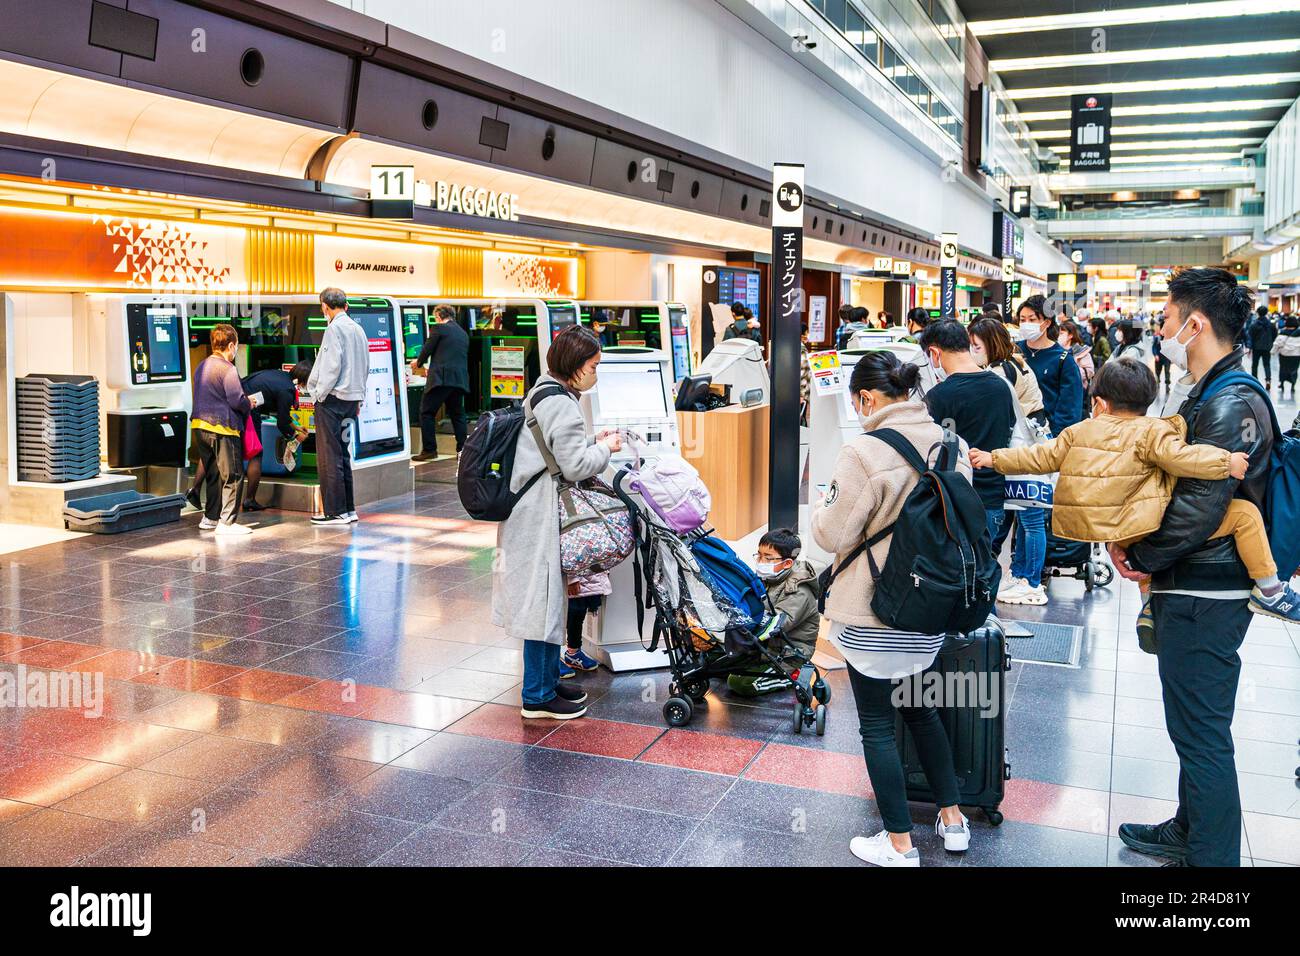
x: 739, y: 364
x: 633, y: 393
x: 655, y: 325
x: 415, y: 316
x: 506, y: 352
x: 148, y: 374
x: 832, y: 422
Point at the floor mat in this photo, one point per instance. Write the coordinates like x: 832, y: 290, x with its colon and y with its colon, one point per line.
x: 1057, y: 644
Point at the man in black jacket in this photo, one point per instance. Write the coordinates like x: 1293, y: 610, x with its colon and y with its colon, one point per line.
x: 1260, y: 335
x: 1199, y: 587
x: 445, y: 357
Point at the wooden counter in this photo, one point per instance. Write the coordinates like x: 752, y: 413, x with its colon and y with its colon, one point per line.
x: 728, y: 447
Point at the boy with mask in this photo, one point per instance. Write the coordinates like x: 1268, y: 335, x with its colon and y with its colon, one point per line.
x: 792, y: 588
x: 1117, y: 474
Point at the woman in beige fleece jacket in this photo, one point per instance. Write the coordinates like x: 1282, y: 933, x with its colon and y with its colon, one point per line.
x: 865, y: 496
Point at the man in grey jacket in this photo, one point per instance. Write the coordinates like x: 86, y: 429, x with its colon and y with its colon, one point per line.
x: 337, y: 386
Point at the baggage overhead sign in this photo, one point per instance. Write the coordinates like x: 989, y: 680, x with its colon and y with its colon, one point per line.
x: 1090, y: 133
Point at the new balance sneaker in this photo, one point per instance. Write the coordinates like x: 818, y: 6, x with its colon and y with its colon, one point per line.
x: 579, y: 661
x: 233, y: 530
x: 572, y: 693
x: 557, y: 708
x: 879, y: 851
x: 1010, y: 584
x: 329, y: 520
x: 1285, y: 604
x: 207, y: 524
x: 1024, y: 594
x: 956, y: 838
x: 1167, y: 839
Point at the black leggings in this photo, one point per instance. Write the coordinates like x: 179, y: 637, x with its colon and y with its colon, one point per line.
x: 579, y: 608
x: 876, y: 715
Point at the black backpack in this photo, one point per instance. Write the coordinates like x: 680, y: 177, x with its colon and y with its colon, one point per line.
x: 488, y: 460
x: 940, y: 576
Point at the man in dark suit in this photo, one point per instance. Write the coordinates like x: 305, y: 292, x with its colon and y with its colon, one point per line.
x: 445, y: 357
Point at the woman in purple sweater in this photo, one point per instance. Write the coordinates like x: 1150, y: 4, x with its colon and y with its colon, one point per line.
x: 220, y: 411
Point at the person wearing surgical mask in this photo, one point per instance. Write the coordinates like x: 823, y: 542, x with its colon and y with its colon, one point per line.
x: 793, y: 589
x: 870, y: 483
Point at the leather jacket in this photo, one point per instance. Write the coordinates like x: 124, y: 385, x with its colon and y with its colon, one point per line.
x: 1180, y: 554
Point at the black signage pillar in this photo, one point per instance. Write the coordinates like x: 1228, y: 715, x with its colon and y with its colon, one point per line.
x: 1090, y: 132
x: 787, y: 318
x: 948, y: 275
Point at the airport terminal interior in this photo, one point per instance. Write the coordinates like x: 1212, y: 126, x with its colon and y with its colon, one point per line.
x: 328, y: 253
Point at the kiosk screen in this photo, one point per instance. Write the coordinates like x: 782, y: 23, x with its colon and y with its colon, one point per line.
x: 631, y: 390
x: 413, y: 328
x: 156, y: 336
x: 562, y: 316
x: 680, y: 330
x: 378, y: 427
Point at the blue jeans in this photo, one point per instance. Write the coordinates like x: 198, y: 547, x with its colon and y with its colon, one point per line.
x: 541, y: 671
x: 995, y: 517
x: 1031, y: 546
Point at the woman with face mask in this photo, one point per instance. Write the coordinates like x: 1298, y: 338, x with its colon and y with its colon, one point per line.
x: 865, y: 497
x: 991, y: 345
x: 528, y: 588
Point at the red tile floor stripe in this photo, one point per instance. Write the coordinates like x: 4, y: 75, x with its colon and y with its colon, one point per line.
x: 604, y: 738
x: 811, y: 769
x: 713, y: 753
x: 1053, y: 805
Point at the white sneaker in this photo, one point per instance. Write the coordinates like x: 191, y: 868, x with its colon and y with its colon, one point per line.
x: 207, y: 524
x: 1010, y: 584
x: 956, y: 839
x: 352, y: 517
x: 879, y: 851
x: 329, y: 520
x: 233, y: 529
x: 1008, y: 593
x: 1027, y: 595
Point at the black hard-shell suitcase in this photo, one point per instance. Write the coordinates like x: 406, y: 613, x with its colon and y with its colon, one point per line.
x: 978, y: 742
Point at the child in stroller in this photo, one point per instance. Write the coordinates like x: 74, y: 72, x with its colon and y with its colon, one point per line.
x: 713, y: 616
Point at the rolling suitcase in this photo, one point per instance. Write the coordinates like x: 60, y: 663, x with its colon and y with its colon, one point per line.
x: 978, y: 742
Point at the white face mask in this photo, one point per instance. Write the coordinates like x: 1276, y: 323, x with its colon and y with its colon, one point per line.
x: 978, y: 354
x: 864, y: 412
x: 1175, y: 350
x: 1030, y: 331
x: 768, y: 569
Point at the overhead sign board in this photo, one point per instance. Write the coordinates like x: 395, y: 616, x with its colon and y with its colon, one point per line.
x: 1090, y: 133
x: 392, y: 192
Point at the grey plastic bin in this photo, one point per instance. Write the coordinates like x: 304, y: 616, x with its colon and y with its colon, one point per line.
x: 121, y: 511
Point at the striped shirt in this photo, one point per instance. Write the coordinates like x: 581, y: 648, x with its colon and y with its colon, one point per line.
x: 884, y: 652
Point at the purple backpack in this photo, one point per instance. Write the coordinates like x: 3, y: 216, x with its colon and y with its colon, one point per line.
x: 673, y: 490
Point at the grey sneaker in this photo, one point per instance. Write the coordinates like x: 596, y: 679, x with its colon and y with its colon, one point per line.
x: 956, y: 839
x: 879, y: 851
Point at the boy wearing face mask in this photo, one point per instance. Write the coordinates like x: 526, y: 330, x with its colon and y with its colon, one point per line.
x: 1117, y: 473
x: 792, y: 588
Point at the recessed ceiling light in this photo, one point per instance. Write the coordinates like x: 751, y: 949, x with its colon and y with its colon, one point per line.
x: 1203, y: 52
x: 1114, y: 18
x: 1152, y: 86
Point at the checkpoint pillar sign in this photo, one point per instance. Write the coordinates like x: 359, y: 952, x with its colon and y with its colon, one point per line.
x: 948, y: 275
x: 392, y: 192
x: 1009, y: 287
x: 787, y: 311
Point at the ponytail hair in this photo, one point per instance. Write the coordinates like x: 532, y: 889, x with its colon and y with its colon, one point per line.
x: 883, y: 372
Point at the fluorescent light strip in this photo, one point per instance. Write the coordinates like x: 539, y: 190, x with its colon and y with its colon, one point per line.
x: 1164, y: 54
x: 1155, y: 86
x: 1212, y: 143
x: 1157, y: 129
x: 1115, y: 18
x: 1171, y: 158
x: 1163, y: 109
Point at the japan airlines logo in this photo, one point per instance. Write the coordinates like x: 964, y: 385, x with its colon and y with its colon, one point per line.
x: 1091, y: 102
x: 338, y: 265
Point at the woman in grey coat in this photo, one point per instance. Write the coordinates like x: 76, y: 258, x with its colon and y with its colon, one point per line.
x: 529, y: 598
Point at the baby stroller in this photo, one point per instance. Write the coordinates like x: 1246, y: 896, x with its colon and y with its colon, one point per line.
x: 1076, y: 559
x: 712, y: 614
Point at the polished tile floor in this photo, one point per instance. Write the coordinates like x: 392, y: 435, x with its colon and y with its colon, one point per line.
x: 338, y: 696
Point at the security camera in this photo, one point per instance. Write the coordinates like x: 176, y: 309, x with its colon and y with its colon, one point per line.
x: 801, y: 40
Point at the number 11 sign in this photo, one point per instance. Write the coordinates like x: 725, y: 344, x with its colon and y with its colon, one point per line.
x: 392, y: 192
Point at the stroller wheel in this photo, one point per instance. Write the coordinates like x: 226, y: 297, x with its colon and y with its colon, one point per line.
x: 798, y: 717
x: 820, y: 721
x: 677, y: 711
x: 822, y: 691
x: 697, y: 689
x: 1105, y: 574
x: 1089, y: 576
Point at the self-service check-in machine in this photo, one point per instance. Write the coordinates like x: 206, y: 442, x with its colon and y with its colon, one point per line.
x: 148, y: 373
x: 655, y: 325
x: 738, y: 363
x: 507, y: 339
x: 832, y: 422
x: 633, y: 393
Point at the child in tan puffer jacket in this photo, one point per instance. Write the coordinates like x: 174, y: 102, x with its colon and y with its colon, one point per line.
x: 1117, y: 473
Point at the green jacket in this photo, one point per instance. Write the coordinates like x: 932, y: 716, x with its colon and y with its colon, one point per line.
x: 796, y: 593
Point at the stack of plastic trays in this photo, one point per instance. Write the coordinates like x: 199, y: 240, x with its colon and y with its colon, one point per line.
x: 58, y: 427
